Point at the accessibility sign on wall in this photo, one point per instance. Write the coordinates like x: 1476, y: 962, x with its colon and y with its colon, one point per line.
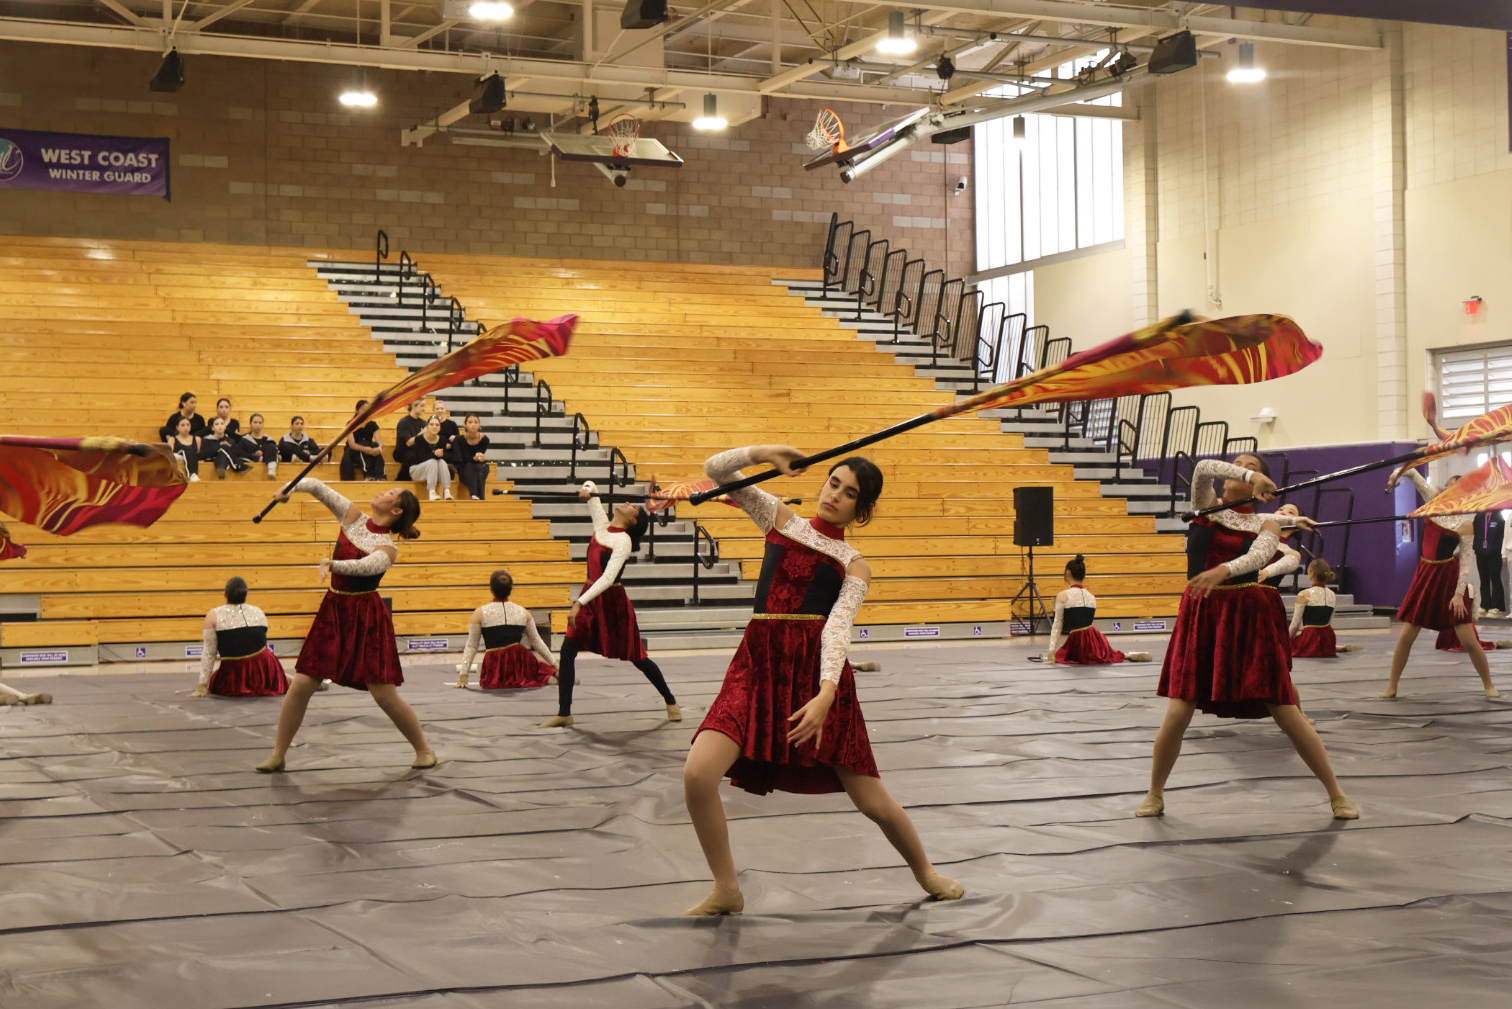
x: 84, y: 163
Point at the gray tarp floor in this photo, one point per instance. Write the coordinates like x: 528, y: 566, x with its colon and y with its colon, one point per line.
x: 144, y: 866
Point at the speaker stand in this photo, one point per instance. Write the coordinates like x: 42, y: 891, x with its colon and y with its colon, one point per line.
x: 1030, y: 594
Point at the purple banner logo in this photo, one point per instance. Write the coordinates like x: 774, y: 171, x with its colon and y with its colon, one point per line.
x: 83, y: 163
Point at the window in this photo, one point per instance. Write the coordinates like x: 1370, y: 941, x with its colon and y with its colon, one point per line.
x: 1473, y: 382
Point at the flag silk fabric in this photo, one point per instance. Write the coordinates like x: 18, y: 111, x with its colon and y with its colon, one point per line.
x: 512, y: 343
x: 1173, y: 354
x: 1485, y: 489
x: 662, y: 498
x: 9, y: 549
x: 63, y: 485
x: 1486, y: 429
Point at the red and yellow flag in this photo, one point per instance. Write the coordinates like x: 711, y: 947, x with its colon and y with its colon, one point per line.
x: 1486, y: 429
x: 63, y: 485
x: 1173, y: 354
x: 1484, y: 489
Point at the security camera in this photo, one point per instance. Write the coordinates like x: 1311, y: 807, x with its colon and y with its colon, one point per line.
x: 960, y: 186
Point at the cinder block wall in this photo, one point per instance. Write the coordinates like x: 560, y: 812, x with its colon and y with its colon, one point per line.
x: 264, y: 155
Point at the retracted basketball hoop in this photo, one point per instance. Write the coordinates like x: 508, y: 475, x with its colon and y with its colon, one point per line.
x: 615, y: 151
x: 624, y: 130
x: 828, y: 132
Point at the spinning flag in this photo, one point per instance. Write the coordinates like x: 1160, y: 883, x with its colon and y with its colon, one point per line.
x: 63, y: 485
x: 1486, y: 429
x: 1487, y: 488
x: 662, y: 498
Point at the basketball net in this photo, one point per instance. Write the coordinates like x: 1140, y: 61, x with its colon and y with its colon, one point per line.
x: 624, y: 131
x: 828, y: 132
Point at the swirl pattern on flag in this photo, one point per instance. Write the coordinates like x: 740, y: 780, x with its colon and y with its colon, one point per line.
x: 1484, y: 489
x: 1172, y: 354
x: 1486, y: 429
x: 63, y: 485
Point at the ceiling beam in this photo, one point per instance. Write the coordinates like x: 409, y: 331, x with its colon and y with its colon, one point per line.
x: 210, y: 19
x: 295, y: 14
x: 125, y: 12
x: 1156, y: 21
x: 778, y: 82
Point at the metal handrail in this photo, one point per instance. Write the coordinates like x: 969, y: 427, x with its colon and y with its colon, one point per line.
x: 700, y: 536
x: 587, y: 432
x: 615, y: 453
x: 380, y: 253
x: 406, y: 267
x: 541, y: 409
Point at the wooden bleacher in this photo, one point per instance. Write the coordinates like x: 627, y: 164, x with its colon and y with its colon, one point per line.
x: 675, y: 362
x: 101, y: 337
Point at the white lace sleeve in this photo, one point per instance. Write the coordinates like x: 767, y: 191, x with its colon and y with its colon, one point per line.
x: 611, y: 570
x: 1426, y: 490
x: 474, y: 639
x: 1467, y: 567
x: 319, y: 491
x: 1259, y: 552
x: 596, y: 507
x: 1203, y: 475
x: 834, y: 642
x: 757, y: 503
x: 208, y: 654
x: 537, y: 645
x: 375, y: 563
x: 1055, y: 629
x: 1288, y: 563
x: 1297, y: 608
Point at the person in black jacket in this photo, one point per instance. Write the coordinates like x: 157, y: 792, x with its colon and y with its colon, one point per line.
x: 223, y: 411
x: 405, y: 433
x: 1490, y: 534
x: 197, y: 426
x: 469, y: 456
x: 363, y: 456
x: 296, y: 444
x: 254, y: 446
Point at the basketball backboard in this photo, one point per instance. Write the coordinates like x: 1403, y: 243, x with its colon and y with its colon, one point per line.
x: 877, y: 139
x: 644, y: 151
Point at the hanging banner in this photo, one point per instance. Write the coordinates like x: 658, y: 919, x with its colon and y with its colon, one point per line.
x: 83, y: 163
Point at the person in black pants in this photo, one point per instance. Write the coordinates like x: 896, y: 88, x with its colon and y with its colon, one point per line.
x: 469, y: 455
x: 405, y: 433
x: 363, y: 456
x: 1490, y: 533
x: 254, y: 446
x: 296, y: 444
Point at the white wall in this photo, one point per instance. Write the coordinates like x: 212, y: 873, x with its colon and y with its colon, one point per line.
x: 1310, y: 191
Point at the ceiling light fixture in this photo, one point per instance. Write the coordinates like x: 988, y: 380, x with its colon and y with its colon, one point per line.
x: 489, y: 10
x: 1246, y: 72
x: 711, y: 119
x: 1020, y: 131
x: 898, y: 42
x: 358, y: 95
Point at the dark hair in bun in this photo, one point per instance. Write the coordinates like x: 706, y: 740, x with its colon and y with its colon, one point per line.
x: 1076, y: 567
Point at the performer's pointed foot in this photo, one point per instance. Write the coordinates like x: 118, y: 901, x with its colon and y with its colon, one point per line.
x: 273, y: 765
x: 551, y: 680
x: 1389, y: 694
x: 867, y: 667
x: 1490, y: 692
x: 424, y: 760
x: 559, y: 722
x: 940, y: 887
x: 716, y: 903
x: 674, y: 713
x: 1347, y: 648
x: 1139, y: 656
x: 47, y: 699
x: 323, y: 685
x: 1343, y: 809
x: 200, y: 691
x: 1154, y: 805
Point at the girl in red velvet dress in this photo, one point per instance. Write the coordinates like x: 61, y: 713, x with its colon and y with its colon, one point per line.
x: 1448, y: 640
x: 351, y: 642
x: 1075, y: 609
x: 787, y: 716
x: 1442, y: 588
x: 1229, y: 653
x: 603, y: 619
x: 513, y: 653
x: 250, y: 669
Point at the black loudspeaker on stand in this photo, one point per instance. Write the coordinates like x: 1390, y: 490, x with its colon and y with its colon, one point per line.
x: 1033, y: 526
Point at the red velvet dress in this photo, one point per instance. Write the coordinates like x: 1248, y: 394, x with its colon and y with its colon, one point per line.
x: 1426, y: 603
x: 1316, y: 639
x: 1085, y: 645
x: 259, y: 674
x: 1230, y: 651
x: 1448, y: 641
x: 776, y: 672
x: 606, y: 623
x: 351, y: 641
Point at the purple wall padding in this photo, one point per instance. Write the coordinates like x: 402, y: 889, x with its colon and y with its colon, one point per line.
x: 1380, y: 563
x: 1465, y: 13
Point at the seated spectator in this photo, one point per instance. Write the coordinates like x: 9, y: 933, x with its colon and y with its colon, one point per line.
x: 296, y: 445
x: 256, y: 447
x: 449, y: 429
x: 186, y: 446
x: 223, y: 411
x: 469, y: 454
x: 364, y: 452
x: 429, y: 466
x: 238, y: 634
x: 197, y: 426
x: 404, y: 438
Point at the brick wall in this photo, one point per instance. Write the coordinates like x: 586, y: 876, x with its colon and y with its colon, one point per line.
x: 264, y: 155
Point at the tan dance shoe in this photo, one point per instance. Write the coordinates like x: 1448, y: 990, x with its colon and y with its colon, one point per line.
x: 1154, y: 805
x: 716, y: 903
x: 1343, y: 809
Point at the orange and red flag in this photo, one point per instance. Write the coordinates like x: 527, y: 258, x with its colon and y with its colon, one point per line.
x: 1484, y: 489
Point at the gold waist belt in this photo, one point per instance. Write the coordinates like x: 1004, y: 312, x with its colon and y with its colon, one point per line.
x: 788, y: 616
x: 233, y: 658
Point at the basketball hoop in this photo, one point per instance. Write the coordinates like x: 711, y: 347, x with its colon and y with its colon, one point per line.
x: 624, y: 131
x: 828, y: 132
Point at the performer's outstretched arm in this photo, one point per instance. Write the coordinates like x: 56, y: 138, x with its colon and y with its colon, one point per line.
x: 611, y: 570
x: 537, y: 645
x: 1288, y: 563
x: 474, y: 638
x: 342, y: 508
x: 757, y: 503
x: 595, y: 506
